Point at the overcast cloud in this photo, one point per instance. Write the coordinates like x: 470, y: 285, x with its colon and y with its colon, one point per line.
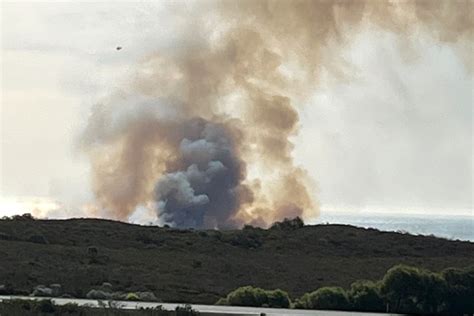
x: 397, y: 137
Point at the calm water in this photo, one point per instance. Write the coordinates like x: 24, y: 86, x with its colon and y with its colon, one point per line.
x: 452, y: 227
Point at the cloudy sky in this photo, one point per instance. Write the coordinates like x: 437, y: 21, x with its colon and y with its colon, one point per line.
x: 397, y: 137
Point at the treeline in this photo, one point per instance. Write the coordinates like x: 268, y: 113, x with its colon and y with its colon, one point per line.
x: 403, y: 289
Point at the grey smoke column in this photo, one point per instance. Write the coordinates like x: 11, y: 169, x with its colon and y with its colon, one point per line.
x: 203, y: 189
x: 252, y: 61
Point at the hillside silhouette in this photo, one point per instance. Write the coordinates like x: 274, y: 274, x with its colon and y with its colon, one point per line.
x: 201, y: 266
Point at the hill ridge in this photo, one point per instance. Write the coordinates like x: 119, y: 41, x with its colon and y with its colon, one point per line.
x: 199, y: 266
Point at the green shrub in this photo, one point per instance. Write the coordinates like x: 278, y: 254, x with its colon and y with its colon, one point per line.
x: 16, y: 305
x: 247, y: 239
x: 278, y: 299
x: 45, y: 306
x: 331, y: 298
x: 69, y: 308
x: 403, y: 289
x: 247, y: 296
x: 251, y: 296
x: 132, y: 297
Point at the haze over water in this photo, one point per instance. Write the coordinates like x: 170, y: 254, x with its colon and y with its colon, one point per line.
x: 448, y: 226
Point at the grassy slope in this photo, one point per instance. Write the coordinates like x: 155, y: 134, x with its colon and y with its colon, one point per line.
x: 197, y: 266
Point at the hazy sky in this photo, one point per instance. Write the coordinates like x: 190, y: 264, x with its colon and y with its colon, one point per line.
x: 396, y: 137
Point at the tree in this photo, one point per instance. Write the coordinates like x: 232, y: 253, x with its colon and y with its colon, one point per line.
x: 434, y: 292
x: 411, y: 290
x: 460, y: 290
x: 23, y: 217
x: 288, y: 224
x: 400, y: 285
x: 365, y: 296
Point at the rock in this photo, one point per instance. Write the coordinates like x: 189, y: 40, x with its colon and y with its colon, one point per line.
x: 98, y: 295
x: 42, y: 290
x: 3, y: 289
x: 92, y: 251
x: 4, y: 236
x: 119, y: 296
x: 106, y: 287
x: 38, y: 239
x: 56, y: 288
x: 92, y: 254
x: 147, y: 296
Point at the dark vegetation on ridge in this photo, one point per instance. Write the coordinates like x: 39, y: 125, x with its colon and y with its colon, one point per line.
x: 202, y: 266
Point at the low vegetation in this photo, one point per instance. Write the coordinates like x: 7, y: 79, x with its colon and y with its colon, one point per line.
x: 403, y: 289
x: 109, y: 259
x: 48, y: 308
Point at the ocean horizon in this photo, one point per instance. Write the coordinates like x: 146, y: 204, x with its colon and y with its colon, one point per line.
x: 453, y: 227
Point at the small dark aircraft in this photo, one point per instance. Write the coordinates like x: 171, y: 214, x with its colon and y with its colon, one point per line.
x: 119, y: 48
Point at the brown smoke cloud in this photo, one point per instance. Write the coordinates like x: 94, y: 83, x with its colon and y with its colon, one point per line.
x: 204, y: 130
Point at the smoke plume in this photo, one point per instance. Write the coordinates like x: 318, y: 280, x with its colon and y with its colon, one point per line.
x: 202, y: 133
